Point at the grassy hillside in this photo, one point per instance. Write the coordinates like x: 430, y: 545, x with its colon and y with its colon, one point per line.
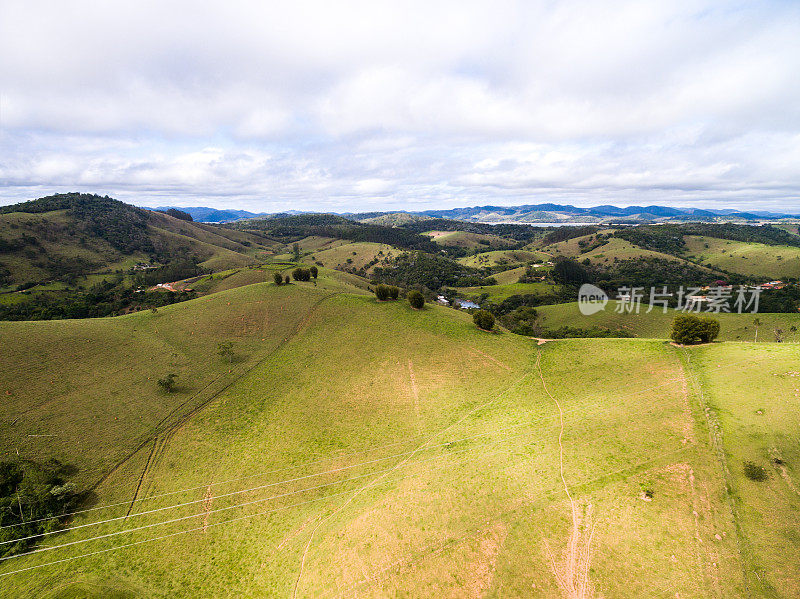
x: 756, y: 410
x: 347, y: 452
x: 355, y: 255
x: 500, y: 292
x: 468, y: 240
x: 656, y: 324
x: 77, y: 234
x: 747, y: 258
x: 503, y: 257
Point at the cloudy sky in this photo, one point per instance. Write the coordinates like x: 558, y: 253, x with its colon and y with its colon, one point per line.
x: 374, y: 105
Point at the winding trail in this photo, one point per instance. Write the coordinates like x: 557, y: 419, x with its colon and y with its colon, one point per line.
x: 573, y: 579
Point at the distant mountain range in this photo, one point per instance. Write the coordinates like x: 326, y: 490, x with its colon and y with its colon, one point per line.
x: 556, y: 213
x: 528, y: 213
x: 212, y: 215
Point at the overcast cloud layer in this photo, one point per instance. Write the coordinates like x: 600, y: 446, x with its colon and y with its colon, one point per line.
x: 402, y: 105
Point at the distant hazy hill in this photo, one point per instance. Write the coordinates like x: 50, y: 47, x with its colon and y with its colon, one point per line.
x: 70, y: 234
x: 556, y: 213
x: 213, y: 215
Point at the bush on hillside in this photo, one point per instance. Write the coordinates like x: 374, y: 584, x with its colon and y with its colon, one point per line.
x: 314, y: 271
x: 382, y: 292
x: 525, y: 320
x: 394, y: 292
x: 755, y: 472
x: 168, y: 383
x: 689, y: 329
x: 416, y: 299
x: 484, y: 319
x: 277, y: 277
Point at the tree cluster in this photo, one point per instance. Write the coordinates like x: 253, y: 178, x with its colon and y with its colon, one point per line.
x: 483, y: 319
x: 33, y: 500
x: 386, y: 292
x: 301, y: 274
x: 179, y: 214
x: 688, y: 329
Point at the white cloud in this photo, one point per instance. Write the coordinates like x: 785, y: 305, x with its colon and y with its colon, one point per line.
x: 371, y: 105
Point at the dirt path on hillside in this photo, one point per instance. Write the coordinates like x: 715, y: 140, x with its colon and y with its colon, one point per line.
x: 572, y: 574
x: 478, y: 352
x: 414, y: 389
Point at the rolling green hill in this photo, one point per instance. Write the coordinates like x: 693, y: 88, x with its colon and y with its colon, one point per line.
x: 656, y: 324
x: 77, y: 234
x: 319, y: 443
x: 468, y: 240
x: 345, y: 450
x: 503, y: 258
x: 747, y: 258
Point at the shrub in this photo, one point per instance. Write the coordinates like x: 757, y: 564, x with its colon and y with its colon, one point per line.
x: 755, y: 472
x: 314, y: 271
x: 416, y: 299
x: 286, y: 280
x: 382, y: 292
x: 168, y: 383
x: 225, y: 350
x: 394, y: 292
x: 688, y: 329
x: 484, y: 319
x: 278, y: 278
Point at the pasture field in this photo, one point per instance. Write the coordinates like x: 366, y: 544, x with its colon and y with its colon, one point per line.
x: 352, y: 255
x: 62, y: 378
x: 467, y: 240
x: 656, y: 324
x: 503, y: 257
x: 358, y: 448
x: 614, y: 249
x: 500, y: 292
x: 752, y: 394
x: 755, y: 259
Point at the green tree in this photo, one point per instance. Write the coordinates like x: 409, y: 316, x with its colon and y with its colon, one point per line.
x: 689, y: 329
x: 382, y: 292
x: 314, y: 271
x: 225, y: 350
x: 569, y: 272
x: 277, y: 277
x: 483, y: 319
x: 301, y: 274
x: 168, y: 383
x: 286, y: 280
x: 296, y: 252
x: 394, y: 292
x: 416, y: 299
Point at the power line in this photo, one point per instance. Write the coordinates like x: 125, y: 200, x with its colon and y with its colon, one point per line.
x: 264, y: 474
